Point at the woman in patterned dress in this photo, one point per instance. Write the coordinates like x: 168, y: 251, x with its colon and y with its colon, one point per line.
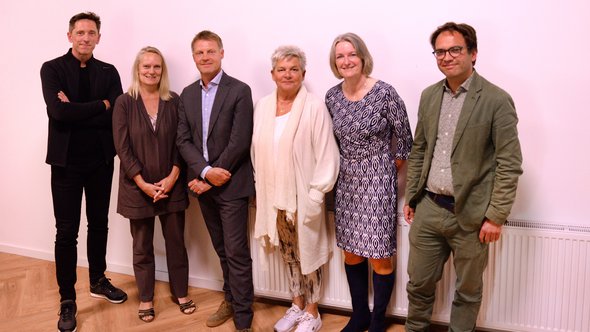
x: 368, y: 116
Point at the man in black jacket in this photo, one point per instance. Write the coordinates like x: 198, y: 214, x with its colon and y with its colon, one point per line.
x: 79, y: 92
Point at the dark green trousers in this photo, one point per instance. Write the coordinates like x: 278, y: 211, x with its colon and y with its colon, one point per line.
x: 434, y: 234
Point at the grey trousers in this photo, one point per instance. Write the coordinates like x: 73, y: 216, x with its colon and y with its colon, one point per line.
x: 227, y: 223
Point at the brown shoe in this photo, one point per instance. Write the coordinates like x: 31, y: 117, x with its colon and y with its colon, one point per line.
x: 223, y: 313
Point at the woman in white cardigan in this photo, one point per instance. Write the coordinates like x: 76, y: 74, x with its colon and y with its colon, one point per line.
x: 296, y: 161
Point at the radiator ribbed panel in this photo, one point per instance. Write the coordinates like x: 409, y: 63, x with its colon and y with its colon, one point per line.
x: 537, y: 279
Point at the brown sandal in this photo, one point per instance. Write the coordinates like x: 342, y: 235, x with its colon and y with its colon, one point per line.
x: 187, y: 308
x: 147, y: 315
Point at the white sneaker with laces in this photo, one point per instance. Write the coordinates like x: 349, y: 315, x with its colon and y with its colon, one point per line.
x: 289, y: 320
x: 308, y: 323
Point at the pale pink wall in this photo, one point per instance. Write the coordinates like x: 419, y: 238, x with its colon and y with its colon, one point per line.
x: 536, y: 50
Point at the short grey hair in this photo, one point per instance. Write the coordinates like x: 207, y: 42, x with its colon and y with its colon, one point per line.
x: 288, y: 51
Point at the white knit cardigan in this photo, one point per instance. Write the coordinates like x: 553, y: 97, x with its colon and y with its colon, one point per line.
x: 315, y: 162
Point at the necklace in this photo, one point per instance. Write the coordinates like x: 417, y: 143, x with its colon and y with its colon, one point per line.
x: 354, y: 96
x: 284, y: 108
x: 151, y: 103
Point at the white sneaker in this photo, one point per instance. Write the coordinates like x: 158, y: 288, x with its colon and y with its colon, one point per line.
x: 289, y: 320
x: 307, y: 323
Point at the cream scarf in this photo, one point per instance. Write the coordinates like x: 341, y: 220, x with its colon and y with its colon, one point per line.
x: 275, y: 183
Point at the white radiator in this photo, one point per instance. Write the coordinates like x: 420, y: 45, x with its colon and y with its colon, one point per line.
x: 537, y: 279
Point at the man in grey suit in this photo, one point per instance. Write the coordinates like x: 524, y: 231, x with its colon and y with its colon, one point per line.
x: 214, y: 135
x: 462, y: 177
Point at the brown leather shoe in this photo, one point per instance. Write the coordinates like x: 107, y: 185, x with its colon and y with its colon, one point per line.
x: 223, y: 313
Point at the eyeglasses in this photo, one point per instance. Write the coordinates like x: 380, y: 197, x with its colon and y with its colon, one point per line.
x: 454, y: 52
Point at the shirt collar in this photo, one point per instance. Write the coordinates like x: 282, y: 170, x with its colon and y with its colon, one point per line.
x: 464, y: 86
x: 215, y: 81
x: 75, y: 60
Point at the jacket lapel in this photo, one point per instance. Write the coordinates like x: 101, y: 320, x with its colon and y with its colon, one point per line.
x: 197, y: 105
x: 434, y: 117
x: 222, y: 91
x: 468, y: 106
x: 144, y: 113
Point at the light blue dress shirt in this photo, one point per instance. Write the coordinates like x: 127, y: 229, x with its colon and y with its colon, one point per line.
x: 207, y: 98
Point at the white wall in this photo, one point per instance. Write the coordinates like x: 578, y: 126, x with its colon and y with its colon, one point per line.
x: 536, y: 50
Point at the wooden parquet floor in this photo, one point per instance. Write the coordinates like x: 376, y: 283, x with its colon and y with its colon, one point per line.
x: 29, y: 301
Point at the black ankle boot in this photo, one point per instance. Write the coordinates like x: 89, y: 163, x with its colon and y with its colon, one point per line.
x: 382, y: 289
x: 358, y: 284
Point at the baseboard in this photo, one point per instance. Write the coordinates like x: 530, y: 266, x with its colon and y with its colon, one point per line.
x: 111, y: 267
x: 33, y: 253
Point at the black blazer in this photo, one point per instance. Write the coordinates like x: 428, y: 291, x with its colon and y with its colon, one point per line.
x: 62, y: 74
x: 229, y: 138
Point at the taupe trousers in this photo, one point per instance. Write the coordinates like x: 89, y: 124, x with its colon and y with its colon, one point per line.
x: 144, y: 265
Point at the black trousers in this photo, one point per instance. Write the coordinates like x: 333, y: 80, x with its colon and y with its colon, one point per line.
x: 227, y: 223
x: 67, y: 185
x: 144, y: 265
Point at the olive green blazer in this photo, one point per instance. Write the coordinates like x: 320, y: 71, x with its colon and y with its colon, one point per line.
x: 485, y: 159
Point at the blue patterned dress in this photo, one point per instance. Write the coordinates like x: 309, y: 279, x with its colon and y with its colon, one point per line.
x: 366, y: 191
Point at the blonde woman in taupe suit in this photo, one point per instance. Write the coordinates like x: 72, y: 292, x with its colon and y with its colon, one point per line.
x: 150, y: 181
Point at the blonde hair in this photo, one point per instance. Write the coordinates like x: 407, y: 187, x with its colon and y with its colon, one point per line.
x: 163, y: 86
x: 361, y: 50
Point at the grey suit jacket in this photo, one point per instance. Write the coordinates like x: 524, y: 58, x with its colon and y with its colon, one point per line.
x: 485, y: 159
x: 229, y: 137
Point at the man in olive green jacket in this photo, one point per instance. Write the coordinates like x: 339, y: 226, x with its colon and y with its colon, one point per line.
x: 462, y: 177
